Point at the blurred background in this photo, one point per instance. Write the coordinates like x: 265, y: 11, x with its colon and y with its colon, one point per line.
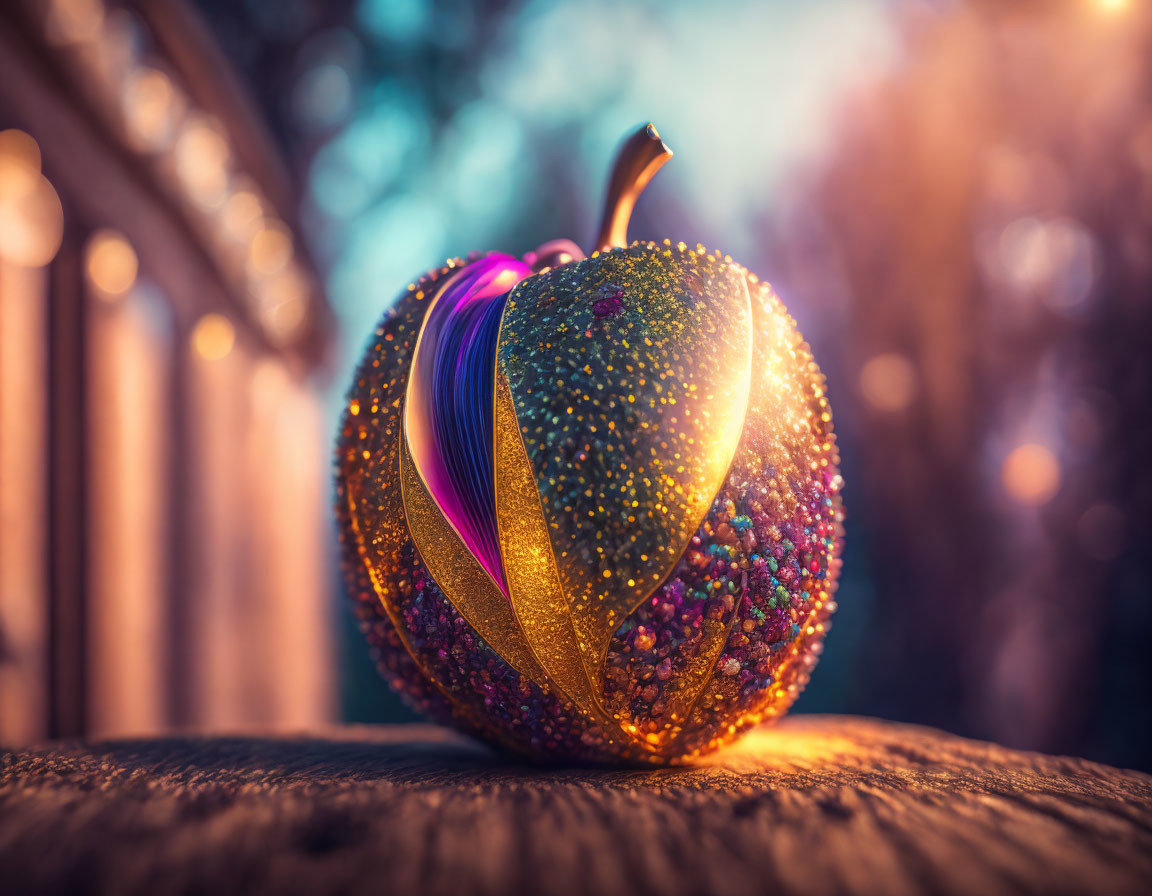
x: 205, y: 207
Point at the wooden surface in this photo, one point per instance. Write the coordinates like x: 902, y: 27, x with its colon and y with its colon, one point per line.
x: 818, y: 805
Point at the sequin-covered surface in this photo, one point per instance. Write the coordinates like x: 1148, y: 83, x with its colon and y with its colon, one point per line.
x: 629, y: 421
x: 671, y: 498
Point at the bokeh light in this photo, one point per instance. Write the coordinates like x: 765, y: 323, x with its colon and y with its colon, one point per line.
x: 213, y: 337
x: 362, y: 161
x: 1052, y: 259
x: 476, y: 160
x: 242, y: 216
x: 888, y: 382
x: 201, y: 162
x: 282, y: 304
x: 395, y: 20
x: 31, y: 218
x: 18, y: 148
x: 952, y: 198
x: 111, y: 263
x: 151, y: 107
x: 1031, y: 474
x: 270, y: 249
x: 322, y: 96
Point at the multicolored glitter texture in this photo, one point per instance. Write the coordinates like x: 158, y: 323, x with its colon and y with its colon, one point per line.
x: 667, y: 512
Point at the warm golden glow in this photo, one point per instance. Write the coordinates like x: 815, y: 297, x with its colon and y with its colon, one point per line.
x: 31, y: 218
x: 111, y: 263
x: 282, y: 304
x: 242, y: 215
x: 1111, y: 6
x: 20, y: 147
x: 284, y: 320
x: 213, y: 337
x: 1031, y: 474
x: 888, y: 382
x: 201, y: 163
x: 785, y: 748
x: 271, y: 248
x: 150, y: 107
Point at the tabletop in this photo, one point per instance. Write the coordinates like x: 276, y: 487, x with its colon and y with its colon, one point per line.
x: 814, y: 805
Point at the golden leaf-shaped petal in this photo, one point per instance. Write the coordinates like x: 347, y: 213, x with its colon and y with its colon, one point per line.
x: 629, y: 376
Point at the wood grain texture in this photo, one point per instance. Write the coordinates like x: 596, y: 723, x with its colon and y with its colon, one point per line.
x: 817, y: 805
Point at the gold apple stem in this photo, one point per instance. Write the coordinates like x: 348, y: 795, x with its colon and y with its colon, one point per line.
x: 639, y: 158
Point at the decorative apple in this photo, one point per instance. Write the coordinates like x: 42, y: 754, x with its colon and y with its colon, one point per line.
x: 589, y: 506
